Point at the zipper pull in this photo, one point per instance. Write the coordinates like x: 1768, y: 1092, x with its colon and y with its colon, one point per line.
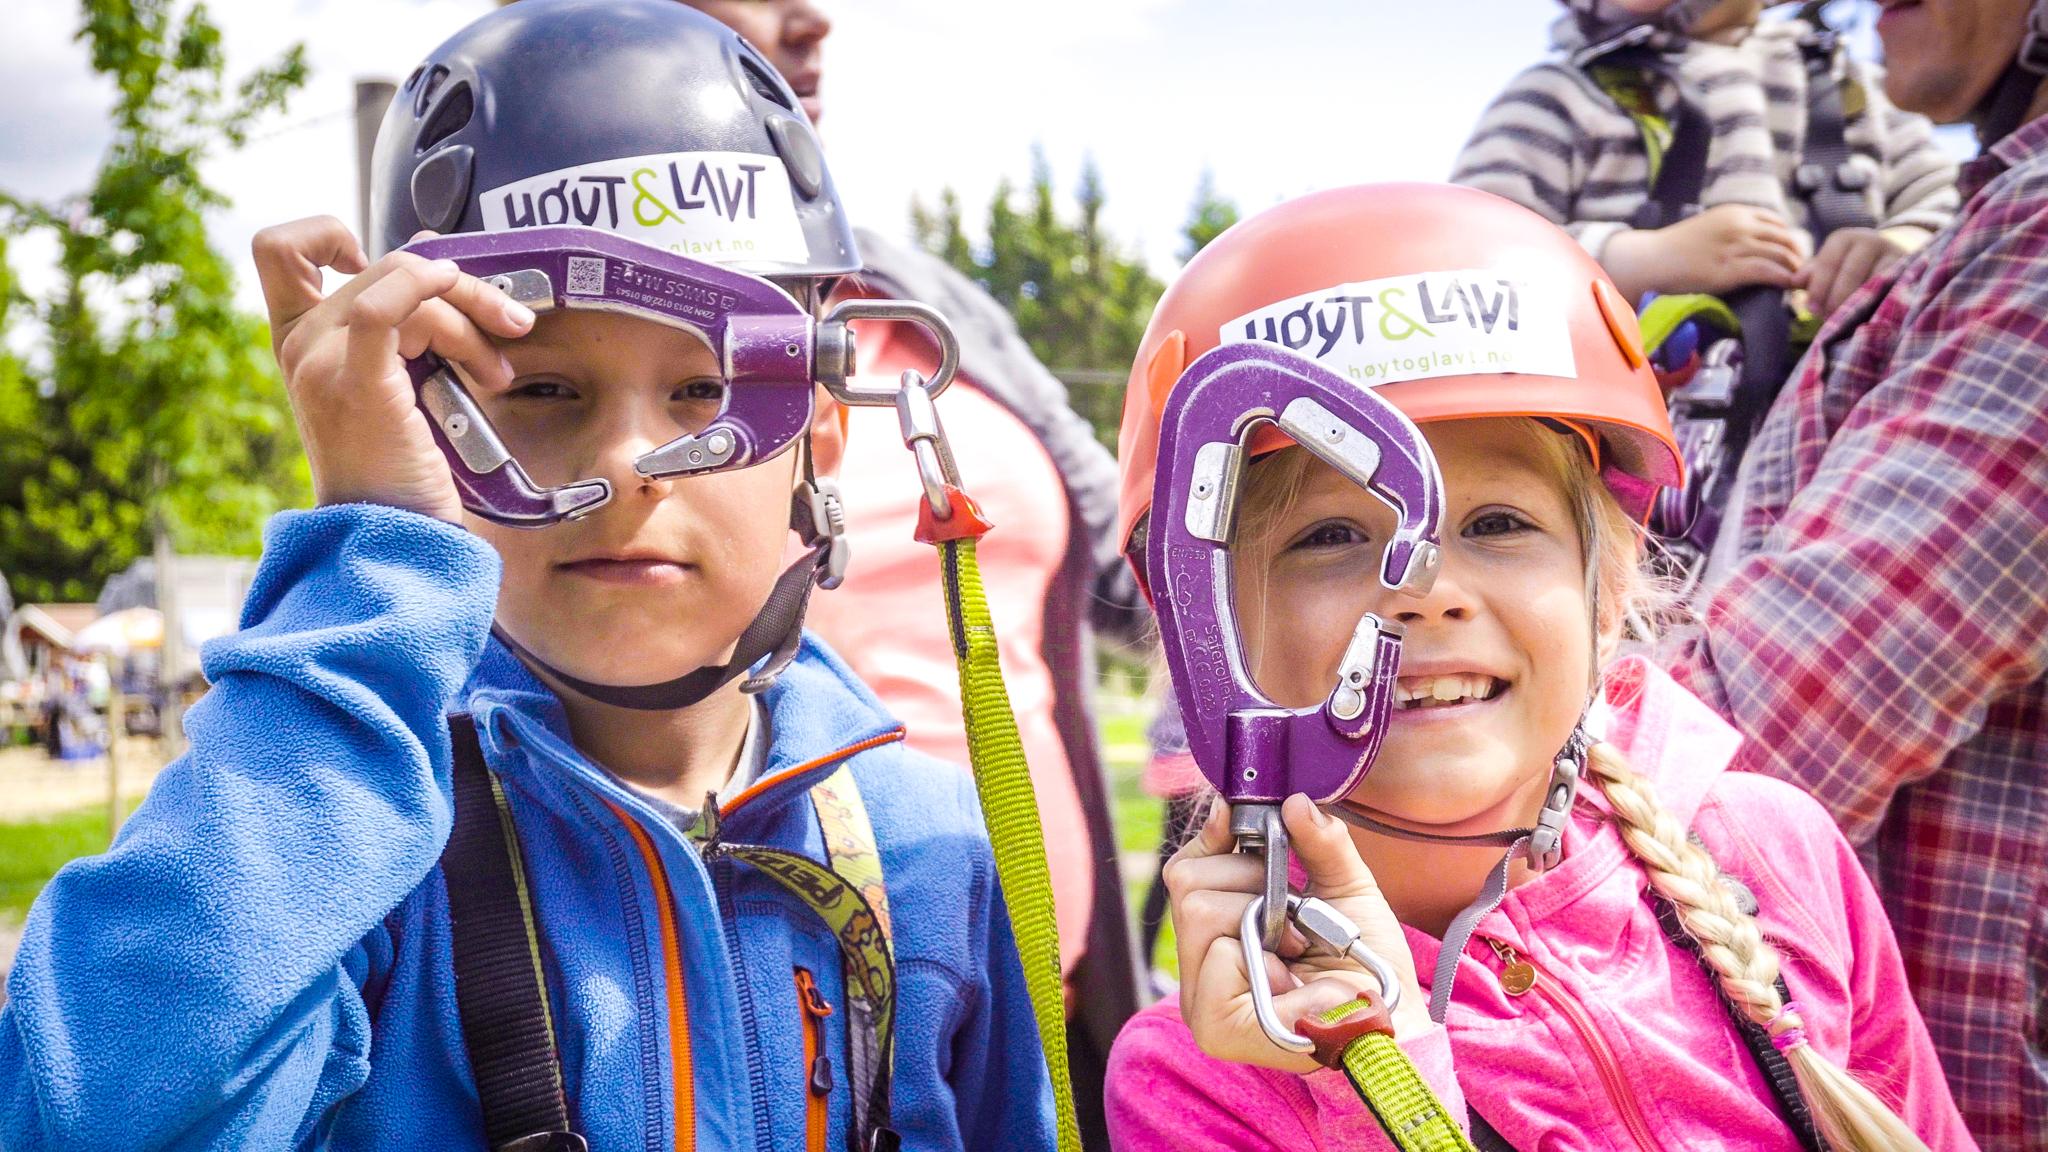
x: 1517, y: 975
x: 814, y: 1004
x: 815, y: 1010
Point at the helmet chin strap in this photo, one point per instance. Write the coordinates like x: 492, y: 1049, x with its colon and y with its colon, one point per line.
x: 1541, y: 844
x: 2004, y: 107
x: 819, y: 518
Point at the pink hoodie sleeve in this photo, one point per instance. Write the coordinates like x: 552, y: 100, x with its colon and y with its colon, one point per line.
x: 1834, y: 928
x: 1164, y: 1093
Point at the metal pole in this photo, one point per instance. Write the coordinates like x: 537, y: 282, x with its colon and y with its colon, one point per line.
x: 372, y: 97
x: 170, y: 657
x: 116, y: 722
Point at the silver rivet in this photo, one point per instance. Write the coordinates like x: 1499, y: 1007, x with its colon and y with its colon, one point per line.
x: 1251, y: 773
x: 696, y: 456
x: 1334, y: 434
x: 1201, y: 489
x: 794, y: 350
x: 720, y: 444
x: 501, y: 283
x: 458, y: 425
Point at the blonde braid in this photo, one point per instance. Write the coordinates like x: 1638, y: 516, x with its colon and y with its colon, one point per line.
x: 1849, y: 1116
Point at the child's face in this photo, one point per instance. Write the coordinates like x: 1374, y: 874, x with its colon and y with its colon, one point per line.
x: 1504, y: 630
x: 662, y: 580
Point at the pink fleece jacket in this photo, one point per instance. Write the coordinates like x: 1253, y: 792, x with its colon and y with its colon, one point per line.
x: 1622, y: 1042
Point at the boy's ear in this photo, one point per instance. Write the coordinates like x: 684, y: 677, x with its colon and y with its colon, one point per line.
x: 828, y: 434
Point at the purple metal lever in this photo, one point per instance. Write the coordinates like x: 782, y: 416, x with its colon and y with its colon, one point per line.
x: 769, y: 348
x: 1254, y: 751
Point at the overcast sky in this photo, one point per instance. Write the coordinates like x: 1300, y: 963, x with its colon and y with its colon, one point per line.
x: 1274, y: 98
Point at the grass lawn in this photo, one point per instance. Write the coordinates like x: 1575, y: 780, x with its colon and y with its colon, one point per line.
x: 1139, y: 816
x: 32, y: 851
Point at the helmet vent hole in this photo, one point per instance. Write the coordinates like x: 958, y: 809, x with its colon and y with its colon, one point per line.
x: 448, y: 117
x: 430, y: 84
x: 414, y: 78
x: 766, y: 83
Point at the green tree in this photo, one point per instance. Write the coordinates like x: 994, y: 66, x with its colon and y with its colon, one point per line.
x: 1080, y: 301
x: 1208, y: 218
x: 145, y: 399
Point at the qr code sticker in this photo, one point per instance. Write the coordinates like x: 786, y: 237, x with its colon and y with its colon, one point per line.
x: 586, y: 275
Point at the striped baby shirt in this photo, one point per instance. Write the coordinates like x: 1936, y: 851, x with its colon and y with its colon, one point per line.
x: 1555, y: 143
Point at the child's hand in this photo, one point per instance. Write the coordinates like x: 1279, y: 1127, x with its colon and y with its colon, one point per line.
x: 344, y: 359
x: 1848, y: 258
x: 1726, y: 247
x: 1210, y: 886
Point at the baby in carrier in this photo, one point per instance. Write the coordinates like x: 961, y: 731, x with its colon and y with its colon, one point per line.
x: 1696, y: 149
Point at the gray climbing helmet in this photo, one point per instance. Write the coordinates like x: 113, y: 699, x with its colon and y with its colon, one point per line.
x: 644, y: 118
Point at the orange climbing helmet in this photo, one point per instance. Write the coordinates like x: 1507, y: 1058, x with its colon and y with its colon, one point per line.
x: 1449, y: 302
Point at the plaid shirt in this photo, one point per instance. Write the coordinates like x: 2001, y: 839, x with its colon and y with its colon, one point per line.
x: 1883, y: 638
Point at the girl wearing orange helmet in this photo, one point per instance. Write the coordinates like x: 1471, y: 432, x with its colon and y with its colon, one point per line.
x: 1676, y: 956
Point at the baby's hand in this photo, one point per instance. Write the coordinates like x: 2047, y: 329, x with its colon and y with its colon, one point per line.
x: 344, y: 356
x: 1848, y: 258
x: 1211, y: 885
x: 1726, y: 247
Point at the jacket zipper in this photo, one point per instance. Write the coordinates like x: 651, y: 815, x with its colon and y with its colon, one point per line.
x: 683, y: 1073
x: 817, y: 1065
x: 1517, y: 969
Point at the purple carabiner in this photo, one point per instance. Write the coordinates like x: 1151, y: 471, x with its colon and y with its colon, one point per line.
x: 1253, y: 750
x: 769, y: 348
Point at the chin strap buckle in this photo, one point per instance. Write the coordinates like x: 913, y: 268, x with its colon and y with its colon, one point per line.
x: 827, y: 508
x: 1546, y: 842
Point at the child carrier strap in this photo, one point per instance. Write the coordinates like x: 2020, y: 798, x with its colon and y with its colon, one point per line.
x: 1717, y: 412
x: 1827, y: 177
x: 1633, y: 71
x: 501, y: 992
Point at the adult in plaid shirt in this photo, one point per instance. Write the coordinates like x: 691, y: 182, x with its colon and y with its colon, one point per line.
x: 1883, y: 635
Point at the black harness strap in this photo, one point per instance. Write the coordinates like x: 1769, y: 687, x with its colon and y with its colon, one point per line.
x: 500, y: 990
x: 1826, y: 178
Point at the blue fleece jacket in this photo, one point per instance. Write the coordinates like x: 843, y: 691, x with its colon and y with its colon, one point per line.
x: 262, y: 959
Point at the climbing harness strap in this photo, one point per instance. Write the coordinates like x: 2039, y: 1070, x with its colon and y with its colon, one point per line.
x: 501, y: 991
x: 848, y: 894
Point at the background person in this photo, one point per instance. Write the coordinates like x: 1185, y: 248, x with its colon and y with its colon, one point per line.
x: 1052, y: 572
x: 1882, y: 636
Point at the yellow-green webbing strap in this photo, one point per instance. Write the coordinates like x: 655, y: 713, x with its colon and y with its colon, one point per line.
x: 1395, y: 1092
x: 1662, y: 316
x: 1010, y: 808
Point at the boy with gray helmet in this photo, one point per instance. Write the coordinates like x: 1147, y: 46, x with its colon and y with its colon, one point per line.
x: 523, y: 814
